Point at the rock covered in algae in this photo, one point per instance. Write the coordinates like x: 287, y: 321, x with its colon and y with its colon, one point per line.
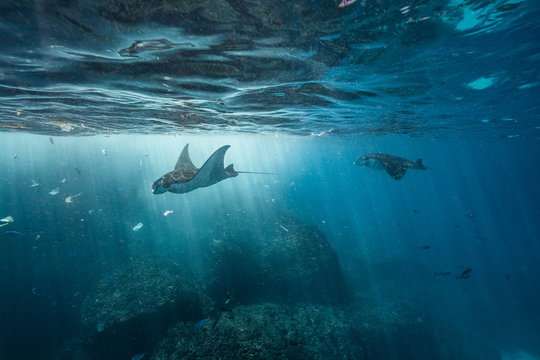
x: 271, y: 331
x: 264, y: 331
x: 281, y: 260
x: 144, y: 287
x: 134, y: 306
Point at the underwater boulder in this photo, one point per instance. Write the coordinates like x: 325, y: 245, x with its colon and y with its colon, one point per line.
x: 264, y: 331
x: 367, y: 330
x: 284, y: 260
x: 132, y: 308
x: 391, y: 330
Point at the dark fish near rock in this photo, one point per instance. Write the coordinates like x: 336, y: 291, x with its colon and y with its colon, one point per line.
x: 425, y: 247
x: 138, y: 356
x: 201, y: 323
x: 222, y: 309
x: 465, y: 274
x: 395, y: 166
x: 36, y: 292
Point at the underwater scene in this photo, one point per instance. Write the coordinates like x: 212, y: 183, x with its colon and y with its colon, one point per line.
x: 241, y: 179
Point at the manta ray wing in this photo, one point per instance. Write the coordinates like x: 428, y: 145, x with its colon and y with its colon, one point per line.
x: 184, y: 162
x: 213, y: 169
x: 395, y: 169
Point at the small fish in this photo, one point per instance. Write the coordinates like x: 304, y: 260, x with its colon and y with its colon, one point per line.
x: 137, y: 227
x: 36, y: 292
x: 138, y: 356
x: 12, y: 232
x: 217, y: 320
x: 51, y: 140
x: 465, y: 274
x: 201, y: 323
x: 35, y: 183
x: 284, y: 228
x: 54, y: 191
x: 104, y: 152
x: 168, y: 212
x: 344, y: 3
x: 425, y: 247
x: 442, y: 273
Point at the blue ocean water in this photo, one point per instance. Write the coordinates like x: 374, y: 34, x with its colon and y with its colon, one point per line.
x: 99, y: 98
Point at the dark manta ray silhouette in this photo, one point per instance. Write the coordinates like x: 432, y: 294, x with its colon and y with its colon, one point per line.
x: 395, y: 166
x: 186, y: 177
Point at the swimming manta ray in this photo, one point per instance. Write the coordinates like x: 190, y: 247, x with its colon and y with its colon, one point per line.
x: 395, y: 166
x: 186, y: 177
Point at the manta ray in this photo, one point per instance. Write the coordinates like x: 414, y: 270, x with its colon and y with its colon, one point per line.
x: 186, y: 177
x: 395, y: 166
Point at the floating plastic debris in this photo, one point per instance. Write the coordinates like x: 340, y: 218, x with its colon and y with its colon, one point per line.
x: 482, y: 83
x: 284, y: 228
x: 168, y: 212
x: 70, y: 198
x: 344, y: 3
x: 137, y: 227
x: 5, y: 221
x: 528, y: 86
x: 54, y: 191
x: 404, y: 10
x: 64, y: 126
x: 104, y: 152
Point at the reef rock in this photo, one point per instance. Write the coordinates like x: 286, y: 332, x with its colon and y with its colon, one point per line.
x: 272, y: 331
x: 265, y: 331
x: 133, y: 307
x: 281, y: 260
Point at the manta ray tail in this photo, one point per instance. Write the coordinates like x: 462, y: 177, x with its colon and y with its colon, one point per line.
x: 229, y: 170
x: 419, y: 165
x: 256, y: 172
